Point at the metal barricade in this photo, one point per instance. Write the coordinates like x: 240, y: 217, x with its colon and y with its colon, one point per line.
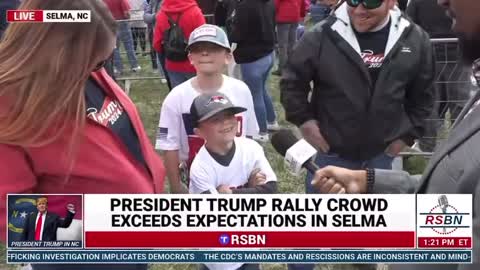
x: 453, y: 88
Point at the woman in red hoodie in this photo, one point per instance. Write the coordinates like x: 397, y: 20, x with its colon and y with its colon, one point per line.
x: 65, y: 125
x: 189, y: 16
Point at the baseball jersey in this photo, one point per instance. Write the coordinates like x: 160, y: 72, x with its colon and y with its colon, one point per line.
x: 175, y: 131
x: 207, y: 174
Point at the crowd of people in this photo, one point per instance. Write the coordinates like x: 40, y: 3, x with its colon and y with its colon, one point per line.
x: 359, y: 85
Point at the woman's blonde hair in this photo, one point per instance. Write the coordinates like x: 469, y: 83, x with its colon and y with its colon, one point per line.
x: 43, y: 70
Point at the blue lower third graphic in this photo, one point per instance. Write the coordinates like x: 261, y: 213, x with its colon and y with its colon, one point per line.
x: 232, y: 256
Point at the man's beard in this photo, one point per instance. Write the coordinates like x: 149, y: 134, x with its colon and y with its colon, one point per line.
x: 470, y: 48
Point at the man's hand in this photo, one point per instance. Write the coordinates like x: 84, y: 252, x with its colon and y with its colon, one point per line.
x: 395, y: 148
x: 311, y: 133
x: 256, y: 178
x: 71, y: 208
x: 332, y: 179
x: 224, y: 189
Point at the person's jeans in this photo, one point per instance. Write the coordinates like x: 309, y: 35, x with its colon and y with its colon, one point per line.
x: 255, y: 75
x: 287, y: 36
x: 124, y: 35
x: 177, y: 78
x: 381, y: 161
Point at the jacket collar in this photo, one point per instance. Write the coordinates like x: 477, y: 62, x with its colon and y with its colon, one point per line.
x: 344, y: 28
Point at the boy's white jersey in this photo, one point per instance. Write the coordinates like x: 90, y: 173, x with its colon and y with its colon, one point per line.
x: 175, y: 130
x: 207, y: 174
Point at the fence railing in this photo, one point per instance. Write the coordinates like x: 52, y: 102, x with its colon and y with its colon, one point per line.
x: 453, y: 86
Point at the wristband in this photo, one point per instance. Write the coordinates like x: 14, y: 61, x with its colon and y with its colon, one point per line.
x: 370, y: 179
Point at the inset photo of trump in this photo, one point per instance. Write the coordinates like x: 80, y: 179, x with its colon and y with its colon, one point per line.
x: 45, y: 221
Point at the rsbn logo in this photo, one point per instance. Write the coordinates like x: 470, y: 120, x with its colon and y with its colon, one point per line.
x: 444, y: 218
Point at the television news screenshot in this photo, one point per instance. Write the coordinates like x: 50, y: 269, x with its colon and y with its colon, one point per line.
x: 239, y: 134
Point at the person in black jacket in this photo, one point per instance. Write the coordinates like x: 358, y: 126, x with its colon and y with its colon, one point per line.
x: 402, y: 4
x: 43, y: 225
x: 251, y: 25
x: 452, y: 88
x: 372, y: 72
x: 4, y: 6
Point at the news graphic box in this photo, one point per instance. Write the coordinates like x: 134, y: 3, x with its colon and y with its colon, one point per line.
x: 22, y: 218
x: 444, y: 221
x: 48, y: 16
x: 238, y: 256
x: 246, y: 221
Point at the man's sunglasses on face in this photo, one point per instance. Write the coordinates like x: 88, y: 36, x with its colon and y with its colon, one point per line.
x: 367, y: 4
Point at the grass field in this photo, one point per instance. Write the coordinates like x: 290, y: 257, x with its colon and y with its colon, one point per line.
x: 148, y: 96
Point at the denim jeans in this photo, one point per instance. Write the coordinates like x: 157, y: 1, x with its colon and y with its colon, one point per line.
x: 287, y: 36
x: 124, y: 35
x: 255, y: 75
x: 177, y: 78
x: 381, y: 161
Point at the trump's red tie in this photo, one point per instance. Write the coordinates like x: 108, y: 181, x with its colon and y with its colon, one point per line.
x: 38, y: 228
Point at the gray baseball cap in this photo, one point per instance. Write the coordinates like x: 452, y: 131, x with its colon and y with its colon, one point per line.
x: 206, y: 106
x: 209, y: 33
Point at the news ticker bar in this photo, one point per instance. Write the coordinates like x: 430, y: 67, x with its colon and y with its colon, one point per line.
x: 233, y: 256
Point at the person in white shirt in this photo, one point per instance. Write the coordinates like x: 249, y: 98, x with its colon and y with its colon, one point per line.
x: 209, y: 52
x: 225, y: 163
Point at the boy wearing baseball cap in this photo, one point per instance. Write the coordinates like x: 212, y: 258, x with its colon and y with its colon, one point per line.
x: 209, y: 52
x: 226, y: 164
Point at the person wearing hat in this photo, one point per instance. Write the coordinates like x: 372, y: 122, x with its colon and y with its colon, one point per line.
x: 226, y: 164
x: 209, y: 53
x: 365, y: 109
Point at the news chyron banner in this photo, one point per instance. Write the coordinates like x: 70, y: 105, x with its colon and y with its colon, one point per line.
x: 267, y: 221
x: 281, y: 228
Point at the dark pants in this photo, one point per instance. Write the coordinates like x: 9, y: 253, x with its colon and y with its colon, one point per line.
x: 139, y: 37
x: 153, y: 53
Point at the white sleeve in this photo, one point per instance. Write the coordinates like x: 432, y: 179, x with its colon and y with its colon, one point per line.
x: 200, y: 179
x: 168, y: 133
x: 261, y: 162
x: 252, y: 128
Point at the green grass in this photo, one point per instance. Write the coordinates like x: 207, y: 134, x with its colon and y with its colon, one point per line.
x: 148, y: 96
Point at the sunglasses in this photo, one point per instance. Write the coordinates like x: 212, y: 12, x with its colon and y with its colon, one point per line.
x: 367, y: 4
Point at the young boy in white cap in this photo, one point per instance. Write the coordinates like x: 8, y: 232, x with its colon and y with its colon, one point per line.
x: 209, y: 52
